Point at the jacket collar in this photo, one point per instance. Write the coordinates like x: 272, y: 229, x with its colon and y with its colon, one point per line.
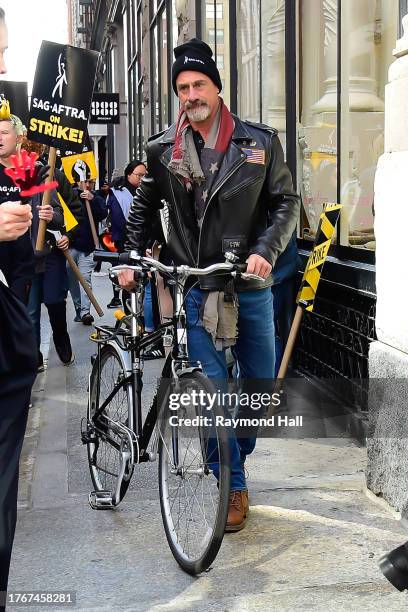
x: 240, y: 132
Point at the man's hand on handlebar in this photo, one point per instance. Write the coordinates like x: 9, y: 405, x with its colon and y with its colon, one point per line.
x: 126, y: 279
x: 259, y: 266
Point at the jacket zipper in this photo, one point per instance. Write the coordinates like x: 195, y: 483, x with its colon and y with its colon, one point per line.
x: 179, y: 222
x: 226, y: 177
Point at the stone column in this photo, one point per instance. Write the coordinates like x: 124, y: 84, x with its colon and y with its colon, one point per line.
x: 387, y: 469
x: 328, y: 102
x: 362, y: 83
x: 273, y: 72
x: 186, y: 20
x: 248, y: 64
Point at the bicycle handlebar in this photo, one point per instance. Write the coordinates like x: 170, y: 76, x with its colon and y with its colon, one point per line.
x: 110, y: 257
x: 139, y: 263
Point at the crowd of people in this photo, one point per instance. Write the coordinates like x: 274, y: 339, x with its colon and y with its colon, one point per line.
x: 225, y: 180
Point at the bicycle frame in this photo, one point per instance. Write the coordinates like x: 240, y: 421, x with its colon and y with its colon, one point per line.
x: 132, y: 357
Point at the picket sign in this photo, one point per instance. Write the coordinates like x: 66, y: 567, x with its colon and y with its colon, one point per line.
x: 42, y: 226
x: 60, y: 103
x: 311, y: 277
x: 59, y: 113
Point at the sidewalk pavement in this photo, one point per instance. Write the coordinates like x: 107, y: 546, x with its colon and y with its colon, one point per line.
x: 312, y: 540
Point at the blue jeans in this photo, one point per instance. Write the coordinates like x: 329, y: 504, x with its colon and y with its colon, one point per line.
x: 284, y: 296
x: 148, y: 308
x: 254, y: 351
x: 86, y: 265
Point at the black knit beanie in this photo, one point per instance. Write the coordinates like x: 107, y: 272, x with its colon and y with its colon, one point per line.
x: 195, y: 55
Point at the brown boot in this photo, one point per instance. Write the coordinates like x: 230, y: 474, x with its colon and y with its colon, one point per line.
x: 237, y: 511
x: 245, y: 497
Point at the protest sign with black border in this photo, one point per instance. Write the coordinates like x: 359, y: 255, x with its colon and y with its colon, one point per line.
x: 80, y: 167
x: 16, y: 94
x: 61, y: 96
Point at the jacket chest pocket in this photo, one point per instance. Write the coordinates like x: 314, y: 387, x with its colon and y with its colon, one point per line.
x: 244, y: 184
x: 235, y: 244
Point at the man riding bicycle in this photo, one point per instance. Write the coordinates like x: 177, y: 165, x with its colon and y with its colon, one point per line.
x: 227, y: 188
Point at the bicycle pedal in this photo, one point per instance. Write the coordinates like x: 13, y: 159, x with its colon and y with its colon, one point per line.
x: 101, y: 500
x: 88, y: 438
x: 88, y: 434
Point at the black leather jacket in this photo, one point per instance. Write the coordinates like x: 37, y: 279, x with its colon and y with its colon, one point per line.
x: 251, y: 208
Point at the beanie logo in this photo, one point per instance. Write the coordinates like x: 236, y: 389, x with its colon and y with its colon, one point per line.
x: 193, y: 59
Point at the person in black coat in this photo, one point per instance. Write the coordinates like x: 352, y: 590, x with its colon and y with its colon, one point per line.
x: 82, y: 248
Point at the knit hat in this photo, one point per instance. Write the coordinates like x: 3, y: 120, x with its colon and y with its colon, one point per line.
x: 195, y: 55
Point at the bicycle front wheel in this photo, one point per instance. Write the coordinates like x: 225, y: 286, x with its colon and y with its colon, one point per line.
x: 109, y: 448
x: 194, y: 475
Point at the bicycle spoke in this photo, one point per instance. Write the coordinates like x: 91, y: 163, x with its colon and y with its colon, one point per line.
x: 106, y: 464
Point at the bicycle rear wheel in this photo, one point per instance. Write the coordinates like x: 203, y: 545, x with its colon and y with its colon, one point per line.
x: 192, y: 458
x: 110, y: 451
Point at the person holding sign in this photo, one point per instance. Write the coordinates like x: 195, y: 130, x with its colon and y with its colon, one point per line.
x: 50, y: 282
x: 17, y: 257
x: 82, y: 248
x: 42, y: 275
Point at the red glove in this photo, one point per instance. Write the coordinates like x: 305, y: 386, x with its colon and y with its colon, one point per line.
x: 28, y: 175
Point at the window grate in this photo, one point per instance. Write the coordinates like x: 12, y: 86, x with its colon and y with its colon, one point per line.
x: 333, y: 344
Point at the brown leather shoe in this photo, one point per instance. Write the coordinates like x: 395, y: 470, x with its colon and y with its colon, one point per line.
x: 237, y: 511
x: 245, y: 497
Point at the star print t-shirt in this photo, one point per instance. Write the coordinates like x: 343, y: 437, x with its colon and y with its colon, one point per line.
x: 210, y: 161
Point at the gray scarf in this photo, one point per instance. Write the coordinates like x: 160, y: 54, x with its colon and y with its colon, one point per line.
x: 188, y: 166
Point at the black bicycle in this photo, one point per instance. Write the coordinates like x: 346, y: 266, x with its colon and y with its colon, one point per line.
x: 180, y: 425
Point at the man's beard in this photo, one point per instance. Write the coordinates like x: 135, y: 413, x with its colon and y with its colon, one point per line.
x: 198, y: 113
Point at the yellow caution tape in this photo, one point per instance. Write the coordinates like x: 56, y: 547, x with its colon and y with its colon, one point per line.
x: 317, y: 257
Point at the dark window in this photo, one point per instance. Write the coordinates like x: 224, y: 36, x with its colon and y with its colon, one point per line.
x: 134, y: 84
x: 163, y: 37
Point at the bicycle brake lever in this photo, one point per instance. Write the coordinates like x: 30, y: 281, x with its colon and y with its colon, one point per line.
x: 247, y: 276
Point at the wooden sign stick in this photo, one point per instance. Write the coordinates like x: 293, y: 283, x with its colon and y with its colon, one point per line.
x: 90, y: 217
x: 83, y: 282
x: 289, y: 347
x: 42, y: 227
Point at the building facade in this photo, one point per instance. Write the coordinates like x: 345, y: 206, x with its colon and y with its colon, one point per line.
x: 313, y: 69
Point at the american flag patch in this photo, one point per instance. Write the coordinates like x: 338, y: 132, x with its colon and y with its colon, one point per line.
x: 255, y: 156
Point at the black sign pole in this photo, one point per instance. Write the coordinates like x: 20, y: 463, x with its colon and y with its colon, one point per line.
x: 42, y: 226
